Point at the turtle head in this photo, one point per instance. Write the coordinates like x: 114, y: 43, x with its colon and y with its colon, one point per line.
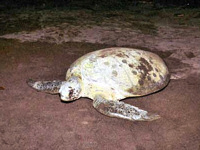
x: 70, y: 90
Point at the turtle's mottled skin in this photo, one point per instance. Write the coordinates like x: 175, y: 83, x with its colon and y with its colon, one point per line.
x: 109, y: 75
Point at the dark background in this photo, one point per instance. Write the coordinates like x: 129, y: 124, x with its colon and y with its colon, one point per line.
x: 94, y: 4
x: 54, y: 33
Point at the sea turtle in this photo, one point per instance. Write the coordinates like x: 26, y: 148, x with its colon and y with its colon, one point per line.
x: 109, y: 75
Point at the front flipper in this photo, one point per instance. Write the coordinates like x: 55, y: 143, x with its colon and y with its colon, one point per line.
x: 51, y: 87
x: 122, y: 110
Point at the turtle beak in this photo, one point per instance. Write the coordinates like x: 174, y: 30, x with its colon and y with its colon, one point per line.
x: 66, y: 99
x: 63, y: 98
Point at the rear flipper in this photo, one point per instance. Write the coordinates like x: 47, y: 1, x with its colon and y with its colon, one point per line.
x: 122, y: 110
x: 51, y: 87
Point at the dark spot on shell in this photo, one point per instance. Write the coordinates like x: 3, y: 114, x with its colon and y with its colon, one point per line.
x: 151, y: 61
x: 149, y: 78
x: 106, y: 63
x: 114, y: 73
x: 126, y: 55
x: 120, y: 55
x: 156, y: 69
x: 114, y: 66
x: 103, y: 55
x: 92, y: 59
x: 130, y: 90
x: 145, y: 67
x: 134, y: 72
x: 154, y: 75
x: 149, y: 85
x: 106, y: 52
x: 124, y: 61
x: 130, y: 65
x: 138, y: 53
x: 70, y: 80
x: 141, y: 82
x: 161, y: 77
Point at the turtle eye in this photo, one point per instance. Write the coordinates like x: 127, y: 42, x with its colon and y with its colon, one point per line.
x: 71, y: 91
